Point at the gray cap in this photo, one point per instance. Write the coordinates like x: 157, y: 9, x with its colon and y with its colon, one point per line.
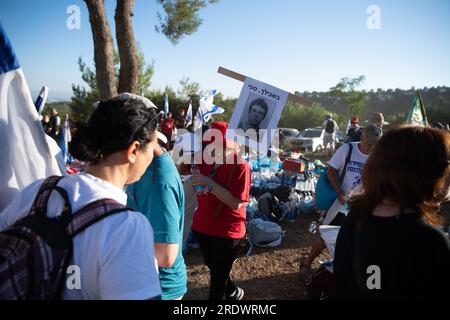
x: 372, y: 133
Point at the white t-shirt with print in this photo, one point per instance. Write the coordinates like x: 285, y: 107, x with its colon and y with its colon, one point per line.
x: 115, y: 255
x: 353, y: 173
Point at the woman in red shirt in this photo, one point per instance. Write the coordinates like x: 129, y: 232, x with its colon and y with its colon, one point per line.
x: 219, y: 221
x: 167, y: 126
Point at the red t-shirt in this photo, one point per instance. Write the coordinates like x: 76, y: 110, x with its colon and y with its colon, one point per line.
x: 227, y: 223
x: 167, y: 126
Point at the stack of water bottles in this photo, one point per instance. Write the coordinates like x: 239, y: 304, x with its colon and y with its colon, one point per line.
x: 297, y: 204
x: 264, y: 175
x: 307, y: 180
x: 295, y: 174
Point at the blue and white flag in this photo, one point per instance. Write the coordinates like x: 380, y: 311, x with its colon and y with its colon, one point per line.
x: 41, y: 99
x: 189, y: 115
x: 166, y: 104
x: 25, y: 153
x: 206, y: 109
x: 65, y: 139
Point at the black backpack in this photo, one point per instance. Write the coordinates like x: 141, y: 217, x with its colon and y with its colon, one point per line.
x: 353, y: 135
x: 330, y: 127
x: 268, y: 205
x: 36, y: 251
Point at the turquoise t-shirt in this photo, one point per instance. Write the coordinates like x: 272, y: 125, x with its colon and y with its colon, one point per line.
x: 159, y: 195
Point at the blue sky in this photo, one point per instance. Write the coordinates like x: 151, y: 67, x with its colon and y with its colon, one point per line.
x: 293, y: 44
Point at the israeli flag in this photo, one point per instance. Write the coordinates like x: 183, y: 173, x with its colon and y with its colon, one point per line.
x: 65, y: 139
x: 166, y: 104
x: 41, y: 99
x: 25, y: 152
x: 189, y: 115
x: 206, y: 109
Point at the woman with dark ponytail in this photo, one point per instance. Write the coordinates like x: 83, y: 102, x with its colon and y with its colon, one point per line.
x: 115, y: 254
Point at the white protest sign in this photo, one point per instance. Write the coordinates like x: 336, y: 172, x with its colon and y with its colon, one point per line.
x: 256, y: 114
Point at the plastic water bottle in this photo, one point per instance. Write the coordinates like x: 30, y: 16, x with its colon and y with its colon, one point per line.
x: 200, y: 189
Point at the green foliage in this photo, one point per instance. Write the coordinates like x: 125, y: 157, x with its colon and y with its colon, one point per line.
x: 301, y: 117
x: 395, y: 119
x: 63, y: 109
x: 175, y: 102
x: 87, y: 75
x: 189, y: 89
x: 82, y: 101
x: 181, y: 18
x: 146, y: 72
x: 346, y: 90
x: 436, y: 114
x: 82, y: 98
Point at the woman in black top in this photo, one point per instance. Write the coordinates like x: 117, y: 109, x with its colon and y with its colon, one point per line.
x: 389, y: 247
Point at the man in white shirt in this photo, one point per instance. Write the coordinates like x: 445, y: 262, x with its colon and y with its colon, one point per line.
x: 329, y: 127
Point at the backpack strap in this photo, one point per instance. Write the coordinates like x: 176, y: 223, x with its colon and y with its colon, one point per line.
x: 39, y: 206
x: 92, y: 213
x: 347, y: 160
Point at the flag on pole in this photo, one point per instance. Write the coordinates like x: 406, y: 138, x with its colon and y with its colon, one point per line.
x: 166, y: 104
x: 65, y: 139
x: 206, y: 109
x: 25, y: 153
x: 189, y: 115
x: 417, y: 115
x: 41, y: 99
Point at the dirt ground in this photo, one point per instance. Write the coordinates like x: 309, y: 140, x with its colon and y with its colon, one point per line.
x: 269, y: 273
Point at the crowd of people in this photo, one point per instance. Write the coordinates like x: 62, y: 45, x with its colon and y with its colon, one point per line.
x: 52, y: 125
x: 389, y: 186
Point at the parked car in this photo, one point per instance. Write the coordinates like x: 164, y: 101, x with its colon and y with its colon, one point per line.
x: 340, y: 139
x: 311, y: 140
x: 308, y: 140
x: 286, y: 134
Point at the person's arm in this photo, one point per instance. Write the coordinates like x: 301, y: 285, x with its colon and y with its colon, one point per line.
x: 240, y: 184
x: 336, y: 162
x: 166, y: 254
x: 165, y: 216
x: 333, y: 178
x: 220, y: 192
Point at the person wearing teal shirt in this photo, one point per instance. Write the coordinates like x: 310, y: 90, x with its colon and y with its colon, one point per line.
x: 159, y: 195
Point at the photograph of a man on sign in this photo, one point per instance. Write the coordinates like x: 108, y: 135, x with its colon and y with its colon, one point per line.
x: 256, y: 114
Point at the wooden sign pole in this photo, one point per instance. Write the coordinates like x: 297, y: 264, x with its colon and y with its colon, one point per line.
x: 241, y: 77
